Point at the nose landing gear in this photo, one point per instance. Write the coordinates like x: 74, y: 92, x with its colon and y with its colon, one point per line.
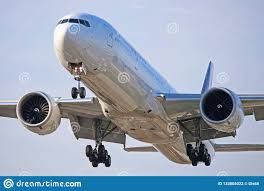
x: 78, y: 91
x: 77, y: 70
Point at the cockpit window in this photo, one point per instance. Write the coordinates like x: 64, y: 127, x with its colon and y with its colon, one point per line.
x: 85, y: 23
x: 63, y: 21
x: 81, y: 21
x: 74, y: 21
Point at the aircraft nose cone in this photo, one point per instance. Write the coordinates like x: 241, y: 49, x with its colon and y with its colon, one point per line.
x: 66, y: 35
x: 66, y: 41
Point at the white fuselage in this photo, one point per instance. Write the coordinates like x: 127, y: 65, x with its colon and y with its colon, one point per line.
x: 122, y: 80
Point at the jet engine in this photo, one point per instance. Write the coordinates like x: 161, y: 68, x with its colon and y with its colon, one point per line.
x: 222, y: 109
x: 39, y: 113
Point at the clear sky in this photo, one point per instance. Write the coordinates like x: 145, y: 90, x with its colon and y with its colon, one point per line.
x: 178, y: 38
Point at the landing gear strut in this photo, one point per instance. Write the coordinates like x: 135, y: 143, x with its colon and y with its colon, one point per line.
x: 78, y: 91
x: 198, y: 154
x: 77, y: 70
x: 99, y: 154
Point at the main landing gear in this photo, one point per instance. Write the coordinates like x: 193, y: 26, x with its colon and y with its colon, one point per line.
x: 198, y: 154
x: 98, y: 155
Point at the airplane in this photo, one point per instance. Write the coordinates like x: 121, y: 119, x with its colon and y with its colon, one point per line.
x: 132, y: 99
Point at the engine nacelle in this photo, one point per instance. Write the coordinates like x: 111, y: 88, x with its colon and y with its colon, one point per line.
x: 222, y: 109
x: 39, y: 113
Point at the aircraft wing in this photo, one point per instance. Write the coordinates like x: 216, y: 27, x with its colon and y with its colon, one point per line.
x: 8, y: 108
x: 180, y: 105
x: 253, y: 105
x: 82, y: 113
x: 185, y: 108
x: 88, y: 107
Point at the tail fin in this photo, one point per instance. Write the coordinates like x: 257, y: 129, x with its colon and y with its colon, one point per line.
x: 208, y: 78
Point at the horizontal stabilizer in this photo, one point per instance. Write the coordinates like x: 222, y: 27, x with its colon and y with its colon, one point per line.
x: 238, y: 147
x: 141, y: 149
